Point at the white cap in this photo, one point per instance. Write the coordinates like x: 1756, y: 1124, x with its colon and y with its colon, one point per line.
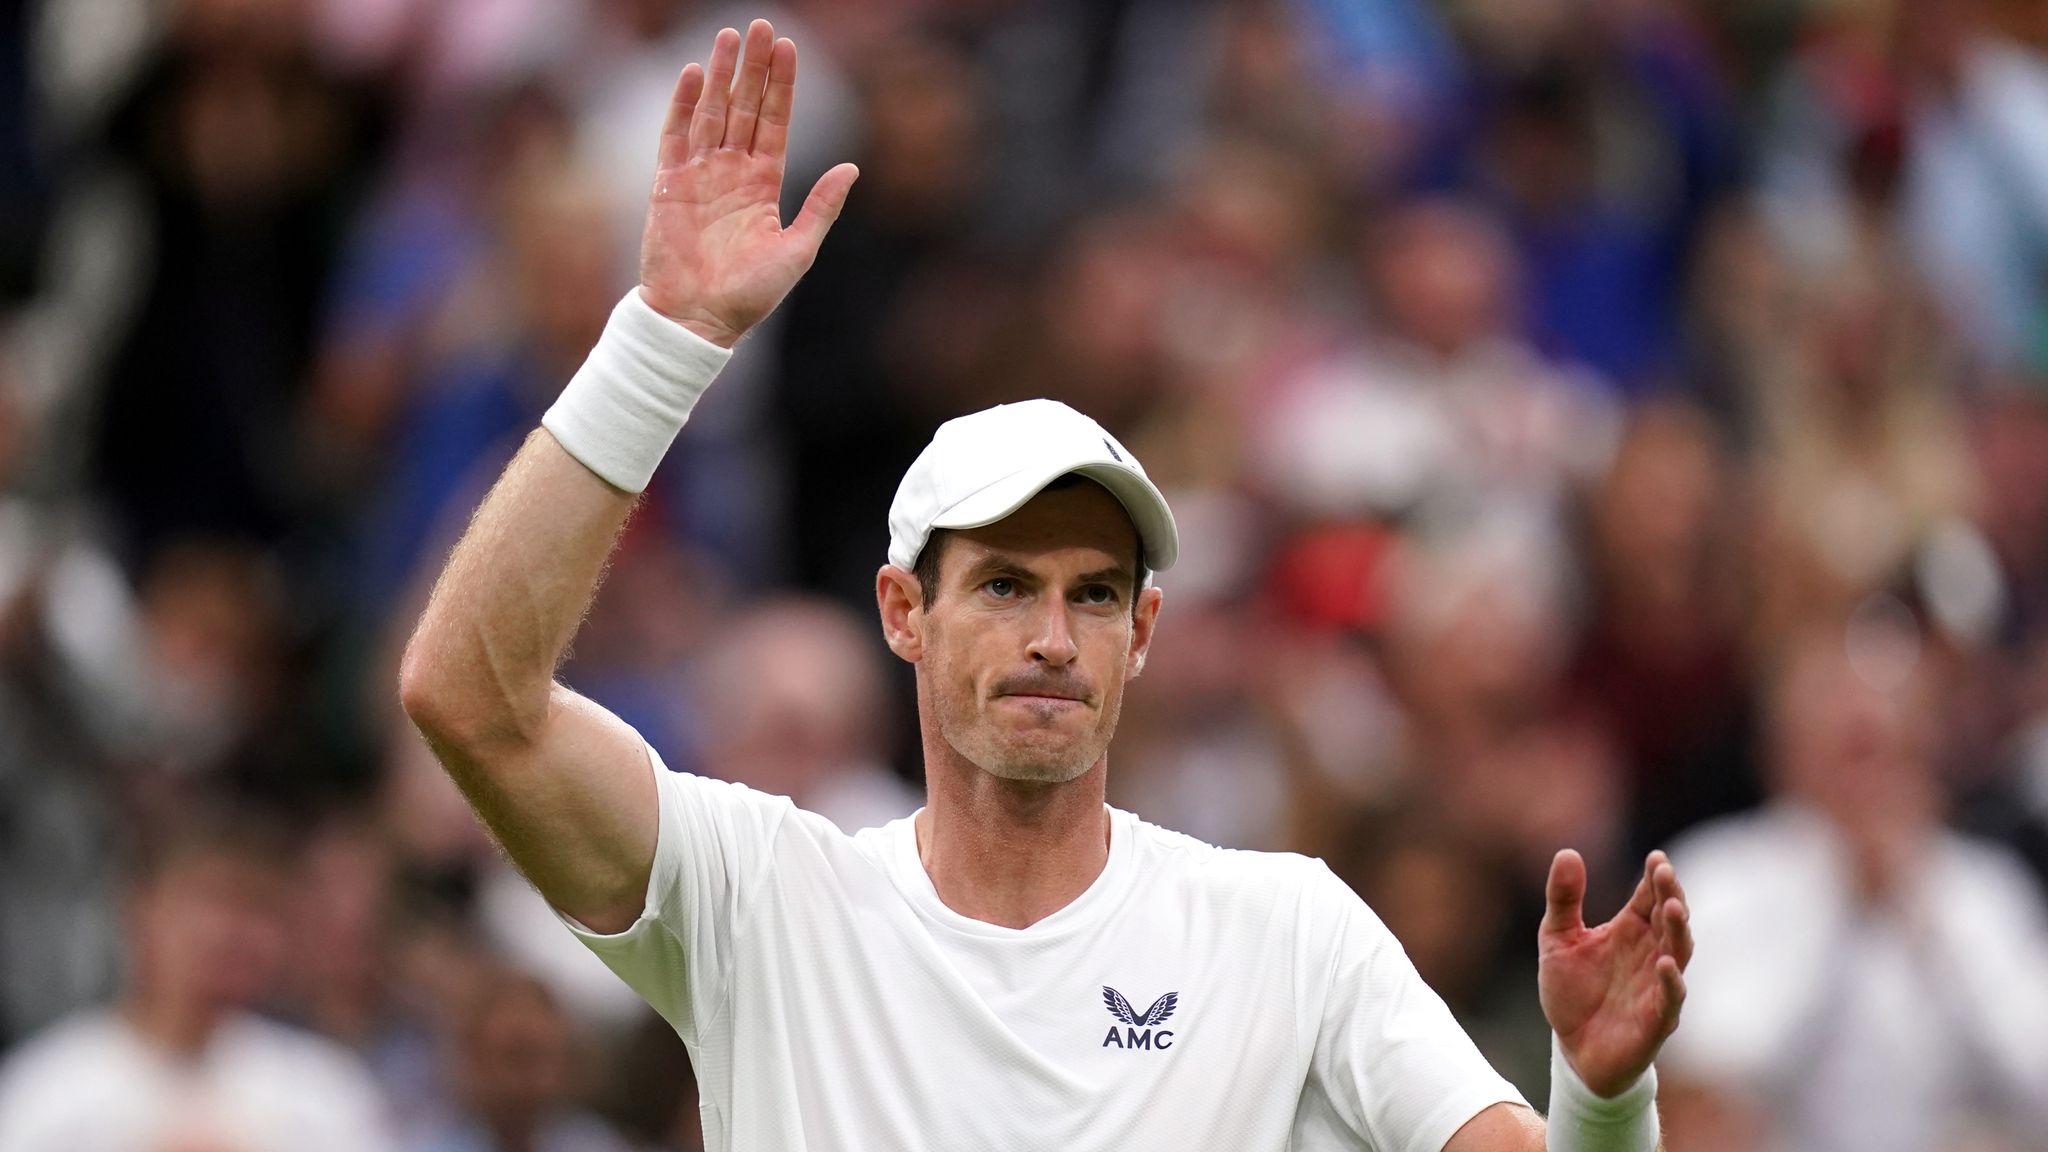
x: 981, y: 467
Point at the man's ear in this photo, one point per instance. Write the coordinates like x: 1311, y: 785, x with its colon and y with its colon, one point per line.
x: 1143, y: 619
x: 900, y: 599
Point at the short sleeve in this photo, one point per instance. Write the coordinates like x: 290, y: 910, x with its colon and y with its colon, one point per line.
x: 715, y: 841
x: 1391, y: 1067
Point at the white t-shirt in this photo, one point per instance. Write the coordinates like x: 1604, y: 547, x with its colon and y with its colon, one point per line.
x: 92, y: 1084
x: 1192, y: 997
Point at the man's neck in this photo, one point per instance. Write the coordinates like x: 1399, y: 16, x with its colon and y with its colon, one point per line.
x: 1009, y: 853
x: 177, y: 1025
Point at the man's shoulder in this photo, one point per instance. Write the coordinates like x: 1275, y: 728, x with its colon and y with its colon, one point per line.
x: 1273, y: 875
x: 83, y: 1041
x: 288, y: 1050
x: 1989, y: 876
x: 1764, y: 841
x: 299, y: 1073
x: 84, y: 1066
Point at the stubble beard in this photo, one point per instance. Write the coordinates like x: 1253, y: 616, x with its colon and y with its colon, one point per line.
x: 975, y: 736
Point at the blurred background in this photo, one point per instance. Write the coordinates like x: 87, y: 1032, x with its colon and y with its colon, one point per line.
x: 1607, y: 423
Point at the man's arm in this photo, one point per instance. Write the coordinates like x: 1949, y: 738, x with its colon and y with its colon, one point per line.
x: 563, y: 784
x: 1501, y: 1128
x: 1505, y: 1128
x: 1612, y: 994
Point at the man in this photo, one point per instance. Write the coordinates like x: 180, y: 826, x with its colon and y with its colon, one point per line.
x: 1890, y: 991
x: 182, y: 1062
x: 514, y: 1066
x: 1016, y: 966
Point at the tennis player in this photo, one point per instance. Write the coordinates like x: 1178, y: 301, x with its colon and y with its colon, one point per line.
x: 1018, y: 965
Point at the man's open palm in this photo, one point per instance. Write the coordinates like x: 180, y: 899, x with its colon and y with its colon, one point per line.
x: 715, y: 256
x: 1612, y: 993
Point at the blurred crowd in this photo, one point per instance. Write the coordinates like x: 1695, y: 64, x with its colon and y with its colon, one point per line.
x: 1606, y: 423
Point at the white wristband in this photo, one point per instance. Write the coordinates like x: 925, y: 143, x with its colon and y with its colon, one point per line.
x: 624, y: 407
x: 1583, y: 1122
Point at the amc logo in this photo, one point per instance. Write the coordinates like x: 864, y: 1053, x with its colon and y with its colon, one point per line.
x: 1141, y: 1028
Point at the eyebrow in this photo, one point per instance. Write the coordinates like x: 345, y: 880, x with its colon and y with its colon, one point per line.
x: 1110, y: 575
x: 994, y: 564
x: 991, y: 564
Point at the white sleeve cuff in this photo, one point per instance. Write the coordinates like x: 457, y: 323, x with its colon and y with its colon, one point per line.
x: 623, y: 408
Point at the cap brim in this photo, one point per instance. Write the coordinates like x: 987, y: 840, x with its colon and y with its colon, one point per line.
x: 1141, y: 500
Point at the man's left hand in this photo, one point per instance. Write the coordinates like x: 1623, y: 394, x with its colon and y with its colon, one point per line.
x: 1612, y: 993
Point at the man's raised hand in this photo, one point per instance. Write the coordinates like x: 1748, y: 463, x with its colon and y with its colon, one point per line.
x: 715, y: 256
x: 1612, y: 993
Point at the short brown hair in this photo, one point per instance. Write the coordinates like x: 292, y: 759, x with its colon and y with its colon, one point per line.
x: 209, y: 827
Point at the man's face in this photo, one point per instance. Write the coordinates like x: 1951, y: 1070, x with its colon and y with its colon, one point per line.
x: 1024, y: 652
x: 211, y: 927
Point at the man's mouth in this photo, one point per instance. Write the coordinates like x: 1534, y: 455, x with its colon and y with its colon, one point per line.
x: 1044, y: 694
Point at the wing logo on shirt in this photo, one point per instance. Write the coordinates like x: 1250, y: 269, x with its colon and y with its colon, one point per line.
x: 1156, y: 1014
x: 1142, y: 1028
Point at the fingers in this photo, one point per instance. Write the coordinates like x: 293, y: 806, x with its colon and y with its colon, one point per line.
x: 675, y: 127
x: 1643, y: 901
x: 1675, y: 925
x: 822, y: 207
x: 747, y: 90
x: 771, y: 134
x: 1672, y: 982
x: 1564, y: 896
x: 1675, y: 936
x: 707, y: 126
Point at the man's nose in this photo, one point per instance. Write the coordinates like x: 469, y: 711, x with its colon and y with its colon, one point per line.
x: 1054, y: 642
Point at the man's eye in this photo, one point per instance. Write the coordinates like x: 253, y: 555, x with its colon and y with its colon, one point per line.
x: 1098, y: 594
x: 1001, y: 587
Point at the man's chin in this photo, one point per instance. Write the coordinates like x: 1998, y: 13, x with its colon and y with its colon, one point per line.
x: 1018, y: 746
x: 1035, y: 773
x: 1041, y: 764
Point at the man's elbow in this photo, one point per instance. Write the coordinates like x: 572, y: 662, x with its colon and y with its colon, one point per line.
x: 454, y: 714
x: 425, y: 693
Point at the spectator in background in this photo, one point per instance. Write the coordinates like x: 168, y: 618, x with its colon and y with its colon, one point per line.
x: 1448, y: 411
x: 245, y: 146
x: 182, y: 1060
x: 1865, y: 979
x: 72, y: 695
x: 849, y: 396
x: 1088, y: 102
x: 362, y: 973
x: 515, y: 1074
x: 794, y: 704
x: 417, y: 260
x: 2002, y: 723
x: 1494, y: 746
x: 1197, y: 751
x: 1863, y: 456
x: 1601, y: 139
x: 1924, y: 119
x: 1661, y: 657
x: 529, y: 313
x: 1974, y: 203
x: 213, y: 644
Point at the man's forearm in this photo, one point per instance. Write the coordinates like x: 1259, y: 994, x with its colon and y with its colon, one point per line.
x: 480, y: 667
